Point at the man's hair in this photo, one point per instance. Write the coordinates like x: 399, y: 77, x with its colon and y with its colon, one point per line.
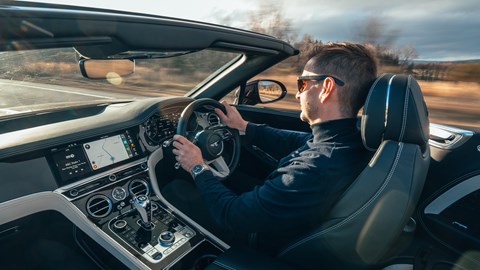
x: 354, y: 64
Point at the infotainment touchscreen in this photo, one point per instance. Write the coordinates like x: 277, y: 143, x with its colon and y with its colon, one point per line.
x: 71, y: 162
x: 107, y: 151
x: 77, y: 160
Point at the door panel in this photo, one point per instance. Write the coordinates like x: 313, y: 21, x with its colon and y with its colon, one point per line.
x: 448, y: 224
x: 255, y: 165
x: 274, y: 118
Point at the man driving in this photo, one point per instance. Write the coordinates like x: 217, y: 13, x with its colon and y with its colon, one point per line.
x: 314, y: 169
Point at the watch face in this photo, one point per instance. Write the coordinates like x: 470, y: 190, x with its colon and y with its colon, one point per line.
x: 197, y: 169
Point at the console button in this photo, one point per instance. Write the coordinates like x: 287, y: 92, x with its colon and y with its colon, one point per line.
x: 157, y: 256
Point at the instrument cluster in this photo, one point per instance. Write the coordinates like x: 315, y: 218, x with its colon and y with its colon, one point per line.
x: 160, y: 126
x: 163, y: 125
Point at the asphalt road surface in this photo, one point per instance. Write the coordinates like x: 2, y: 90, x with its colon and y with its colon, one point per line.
x: 18, y: 96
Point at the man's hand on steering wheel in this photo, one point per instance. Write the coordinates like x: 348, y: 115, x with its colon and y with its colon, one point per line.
x: 232, y: 118
x: 186, y: 153
x: 217, y: 145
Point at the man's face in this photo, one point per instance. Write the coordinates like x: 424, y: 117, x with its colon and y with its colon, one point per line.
x: 310, y: 99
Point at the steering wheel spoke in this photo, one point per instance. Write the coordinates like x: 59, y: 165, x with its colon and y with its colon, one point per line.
x: 225, y: 133
x: 219, y: 167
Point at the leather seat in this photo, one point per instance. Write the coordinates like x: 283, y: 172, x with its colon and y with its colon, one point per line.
x: 371, y: 215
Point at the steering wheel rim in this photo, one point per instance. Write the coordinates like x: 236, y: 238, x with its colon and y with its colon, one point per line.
x: 211, y: 140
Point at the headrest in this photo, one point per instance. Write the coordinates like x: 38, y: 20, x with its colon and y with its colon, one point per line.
x: 395, y: 110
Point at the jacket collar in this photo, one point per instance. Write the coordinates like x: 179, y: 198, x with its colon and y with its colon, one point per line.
x: 331, y: 130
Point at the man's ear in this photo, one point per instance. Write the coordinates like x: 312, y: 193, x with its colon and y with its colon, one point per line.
x: 327, y: 90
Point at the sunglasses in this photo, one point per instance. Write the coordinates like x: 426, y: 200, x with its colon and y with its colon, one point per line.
x: 303, y: 80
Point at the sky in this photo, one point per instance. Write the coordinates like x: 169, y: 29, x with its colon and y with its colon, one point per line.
x: 436, y: 29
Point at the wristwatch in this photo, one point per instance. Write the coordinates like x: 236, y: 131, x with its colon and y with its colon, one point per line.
x: 197, y: 169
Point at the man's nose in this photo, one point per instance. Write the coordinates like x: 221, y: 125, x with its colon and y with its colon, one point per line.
x: 297, y: 95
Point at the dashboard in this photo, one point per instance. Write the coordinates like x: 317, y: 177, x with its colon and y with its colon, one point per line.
x: 83, y: 158
x: 99, y: 164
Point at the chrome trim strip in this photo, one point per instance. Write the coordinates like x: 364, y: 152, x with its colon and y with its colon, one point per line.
x: 460, y: 136
x: 453, y: 195
x: 387, y: 99
x: 453, y: 129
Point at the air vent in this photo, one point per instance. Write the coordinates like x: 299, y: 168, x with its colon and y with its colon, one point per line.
x: 99, y: 206
x: 138, y: 187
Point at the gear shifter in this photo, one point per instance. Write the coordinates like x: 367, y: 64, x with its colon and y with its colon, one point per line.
x: 144, y: 208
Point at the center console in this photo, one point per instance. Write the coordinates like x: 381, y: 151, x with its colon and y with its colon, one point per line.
x: 164, y: 238
x: 108, y: 179
x: 121, y: 204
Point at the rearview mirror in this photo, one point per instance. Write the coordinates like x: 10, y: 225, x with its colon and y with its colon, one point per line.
x: 262, y: 91
x: 105, y: 69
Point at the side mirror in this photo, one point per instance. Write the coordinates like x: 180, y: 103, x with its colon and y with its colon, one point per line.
x: 106, y: 69
x: 262, y: 91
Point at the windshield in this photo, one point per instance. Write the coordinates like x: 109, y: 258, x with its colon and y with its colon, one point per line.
x: 51, y: 78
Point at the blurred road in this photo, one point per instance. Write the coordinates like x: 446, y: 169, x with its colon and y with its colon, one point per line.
x: 451, y: 103
x: 16, y: 96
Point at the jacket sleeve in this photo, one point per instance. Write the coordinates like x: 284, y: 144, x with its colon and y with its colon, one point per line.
x: 276, y: 142
x: 275, y: 202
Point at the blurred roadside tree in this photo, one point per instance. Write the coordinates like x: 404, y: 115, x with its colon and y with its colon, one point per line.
x: 374, y: 31
x: 269, y: 19
x: 467, y: 71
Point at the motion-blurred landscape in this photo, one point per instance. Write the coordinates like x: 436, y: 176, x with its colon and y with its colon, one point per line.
x: 451, y: 88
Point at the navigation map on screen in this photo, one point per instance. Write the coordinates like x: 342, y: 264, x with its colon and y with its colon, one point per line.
x: 107, y: 151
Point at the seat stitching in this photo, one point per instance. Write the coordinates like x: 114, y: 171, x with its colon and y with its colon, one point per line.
x: 387, y: 100
x: 338, y: 225
x: 405, y: 110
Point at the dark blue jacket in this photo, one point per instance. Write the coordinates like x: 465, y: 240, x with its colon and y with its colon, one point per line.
x: 314, y: 171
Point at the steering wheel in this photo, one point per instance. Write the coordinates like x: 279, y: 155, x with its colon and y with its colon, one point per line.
x: 212, y: 139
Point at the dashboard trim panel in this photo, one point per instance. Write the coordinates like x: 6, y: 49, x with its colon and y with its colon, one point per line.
x: 452, y: 195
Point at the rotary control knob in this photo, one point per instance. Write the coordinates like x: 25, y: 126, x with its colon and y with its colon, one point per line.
x: 166, y: 238
x: 120, y: 225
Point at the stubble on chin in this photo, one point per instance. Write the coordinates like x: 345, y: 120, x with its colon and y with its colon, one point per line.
x: 304, y: 117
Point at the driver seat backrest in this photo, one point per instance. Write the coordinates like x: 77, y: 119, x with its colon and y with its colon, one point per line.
x: 372, y: 213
